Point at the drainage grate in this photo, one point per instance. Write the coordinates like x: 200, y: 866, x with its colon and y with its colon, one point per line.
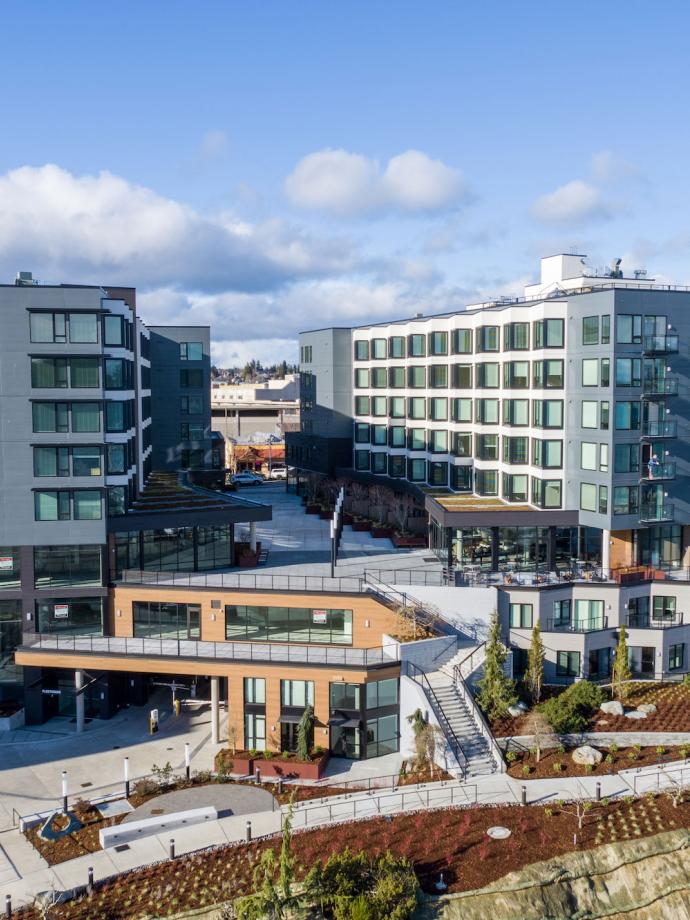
x: 157, y: 811
x: 429, y: 559
x: 86, y: 785
x: 120, y: 848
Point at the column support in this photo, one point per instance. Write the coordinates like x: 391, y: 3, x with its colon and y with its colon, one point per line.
x: 252, y: 536
x: 215, y: 710
x: 78, y: 684
x: 606, y: 553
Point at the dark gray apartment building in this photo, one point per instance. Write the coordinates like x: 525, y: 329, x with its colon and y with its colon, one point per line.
x: 98, y: 414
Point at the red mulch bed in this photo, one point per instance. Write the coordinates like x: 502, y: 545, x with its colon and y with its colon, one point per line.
x: 623, y: 759
x: 451, y: 840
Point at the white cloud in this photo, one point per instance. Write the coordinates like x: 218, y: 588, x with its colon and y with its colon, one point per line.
x: 609, y: 167
x: 267, y: 351
x: 213, y: 144
x: 574, y: 202
x: 346, y: 184
x: 102, y: 228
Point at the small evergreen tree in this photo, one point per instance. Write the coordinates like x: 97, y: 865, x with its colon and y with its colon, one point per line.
x: 304, y: 730
x: 496, y: 689
x: 621, y: 674
x: 535, y: 664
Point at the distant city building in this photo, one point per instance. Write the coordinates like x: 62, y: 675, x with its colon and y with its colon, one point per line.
x: 241, y: 411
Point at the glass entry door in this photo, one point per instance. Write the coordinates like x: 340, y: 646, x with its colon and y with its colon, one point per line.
x: 193, y: 621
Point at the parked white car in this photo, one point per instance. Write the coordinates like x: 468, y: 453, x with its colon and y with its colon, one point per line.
x: 278, y: 472
x: 247, y: 478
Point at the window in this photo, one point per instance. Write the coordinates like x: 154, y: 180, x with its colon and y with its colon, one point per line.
x: 461, y: 340
x: 379, y: 406
x: 438, y: 442
x: 515, y: 450
x: 588, y: 455
x: 462, y: 444
x: 567, y: 664
x: 191, y: 351
x: 437, y: 473
x: 116, y: 459
x: 396, y: 407
x: 641, y: 660
x: 461, y: 410
x: 515, y: 487
x: 605, y: 329
x: 487, y: 411
x: 416, y: 470
x: 628, y: 372
x: 116, y: 374
x: 396, y: 377
x: 605, y: 372
x: 438, y: 376
x: 79, y: 617
x: 487, y: 446
x: 297, y: 693
x: 627, y: 415
x: 362, y: 378
x: 416, y: 377
x: 664, y: 608
x: 516, y: 375
x: 462, y: 376
x: 361, y: 459
x: 396, y: 465
x: 117, y: 501
x: 516, y: 412
x: 191, y: 432
x: 382, y: 693
x: 361, y: 405
x: 487, y: 338
x: 676, y: 656
x: 382, y: 736
x: 603, y: 499
x: 589, y: 615
x: 516, y: 337
x: 192, y: 405
x: 438, y: 409
x: 629, y: 330
x: 115, y: 416
x: 361, y: 350
x: 626, y: 458
x: 461, y: 478
x: 288, y: 624
x: 547, y: 454
x: 50, y: 417
x: 48, y: 327
x: 546, y: 493
x: 561, y: 614
x: 396, y: 346
x: 306, y: 354
x: 487, y: 376
x: 86, y: 417
x: 604, y: 458
x: 378, y: 462
x: 113, y: 330
x: 255, y: 690
x: 191, y: 378
x: 590, y: 414
x: 396, y: 436
x: 590, y: 372
x: 379, y: 349
x: 625, y: 499
x: 51, y: 506
x: 67, y: 566
x: 548, y: 333
x: 83, y: 328
x: 86, y: 461
x: 361, y: 433
x: 416, y: 407
x: 86, y: 505
x: 345, y: 696
x: 416, y: 346
x: 521, y: 616
x: 417, y: 439
x: 590, y: 330
x: 438, y: 343
x: 604, y: 416
x: 547, y: 413
x: 588, y: 497
x: 486, y: 482
x: 49, y: 373
x: 51, y: 461
x: 548, y: 374
x: 599, y: 658
x: 254, y: 731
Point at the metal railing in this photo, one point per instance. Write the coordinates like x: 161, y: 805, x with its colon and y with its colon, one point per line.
x: 247, y: 581
x: 577, y: 626
x: 660, y: 429
x: 418, y: 577
x: 662, y: 471
x: 663, y: 344
x: 215, y: 651
x: 660, y: 386
x: 671, y: 776
x: 471, y: 662
x: 419, y: 677
x: 649, y: 621
x: 654, y: 512
x: 478, y: 718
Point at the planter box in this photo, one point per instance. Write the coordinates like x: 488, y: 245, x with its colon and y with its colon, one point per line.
x: 381, y: 532
x: 347, y: 517
x: 361, y: 526
x: 313, y: 509
x: 248, y: 561
x: 292, y: 769
x: 239, y: 764
x: 325, y: 514
x: 9, y: 723
x: 408, y: 541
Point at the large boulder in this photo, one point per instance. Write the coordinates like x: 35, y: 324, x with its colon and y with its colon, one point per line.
x: 635, y: 714
x: 519, y: 709
x: 587, y: 755
x: 649, y: 708
x: 614, y: 708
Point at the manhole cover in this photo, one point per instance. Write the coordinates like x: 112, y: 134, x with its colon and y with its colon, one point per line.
x: 499, y: 833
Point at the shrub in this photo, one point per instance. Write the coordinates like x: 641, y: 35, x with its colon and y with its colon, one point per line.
x: 608, y: 758
x: 661, y: 750
x: 548, y: 812
x: 568, y: 712
x: 526, y: 770
x: 511, y: 757
x: 613, y: 747
x: 557, y: 767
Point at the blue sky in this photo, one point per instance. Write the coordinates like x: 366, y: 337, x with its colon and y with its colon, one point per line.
x: 273, y: 166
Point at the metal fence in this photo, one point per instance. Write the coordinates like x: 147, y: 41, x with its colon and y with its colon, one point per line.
x: 670, y: 777
x: 247, y: 581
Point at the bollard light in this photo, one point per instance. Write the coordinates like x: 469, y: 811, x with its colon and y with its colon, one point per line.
x: 89, y: 884
x: 187, y: 760
x: 598, y: 792
x: 8, y: 905
x: 64, y: 791
x: 523, y: 797
x: 248, y: 832
x: 172, y: 848
x: 126, y: 771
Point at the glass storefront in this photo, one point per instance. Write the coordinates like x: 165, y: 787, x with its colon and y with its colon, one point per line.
x: 10, y: 639
x: 158, y: 620
x: 170, y: 549
x: 660, y: 547
x: 214, y: 548
x: 175, y: 549
x: 472, y: 546
x: 288, y: 624
x: 80, y: 617
x: 9, y: 567
x: 522, y: 548
x: 60, y: 566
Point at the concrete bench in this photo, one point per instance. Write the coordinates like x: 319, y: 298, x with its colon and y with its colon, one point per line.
x: 149, y: 827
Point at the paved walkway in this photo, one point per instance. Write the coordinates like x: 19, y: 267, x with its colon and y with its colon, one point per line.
x: 603, y: 739
x: 227, y: 798
x: 496, y: 789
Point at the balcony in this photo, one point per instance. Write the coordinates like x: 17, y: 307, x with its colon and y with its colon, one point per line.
x: 577, y: 626
x: 656, y: 514
x: 660, y: 344
x: 660, y: 430
x: 660, y: 386
x: 649, y: 621
x: 661, y: 472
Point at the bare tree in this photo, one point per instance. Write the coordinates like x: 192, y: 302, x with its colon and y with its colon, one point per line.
x: 578, y: 808
x: 359, y: 495
x: 539, y: 727
x: 401, y: 507
x: 379, y: 501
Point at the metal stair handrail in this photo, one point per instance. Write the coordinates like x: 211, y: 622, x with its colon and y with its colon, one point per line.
x: 479, y: 648
x: 478, y: 718
x: 420, y: 678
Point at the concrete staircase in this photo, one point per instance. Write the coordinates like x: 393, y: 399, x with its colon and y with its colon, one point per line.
x: 455, y: 713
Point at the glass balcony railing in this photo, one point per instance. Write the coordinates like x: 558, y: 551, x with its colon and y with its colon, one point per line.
x: 656, y: 513
x: 660, y: 344
x: 660, y: 386
x: 649, y: 621
x: 657, y: 473
x: 660, y: 429
x: 577, y: 626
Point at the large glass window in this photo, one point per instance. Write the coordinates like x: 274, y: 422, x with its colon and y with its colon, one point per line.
x: 361, y: 350
x: 345, y: 696
x: 416, y: 346
x: 488, y: 376
x: 548, y: 333
x: 589, y: 615
x: 117, y: 459
x: 382, y: 693
x: 487, y: 338
x: 516, y: 412
x: 629, y: 330
x: 86, y: 417
x: 438, y: 376
x: 590, y: 413
x: 48, y: 327
x: 289, y: 624
x: 51, y: 461
x: 416, y: 407
x: 590, y: 372
x: 11, y: 685
x: 164, y: 620
x: 191, y: 378
x: 588, y: 496
x: 546, y: 493
x: 486, y: 482
x: 86, y: 505
x: 396, y: 346
x: 487, y: 411
x: 86, y: 461
x: 254, y: 731
x: 82, y: 616
x: 516, y: 337
x: 516, y: 450
x: 379, y: 349
x: 113, y: 330
x: 85, y: 372
x: 191, y: 351
x: 625, y: 499
x: 382, y: 736
x: 255, y: 690
x: 416, y: 377
x: 462, y: 341
x: 50, y: 417
x: 547, y: 454
x: 461, y: 410
x: 117, y: 501
x: 567, y: 664
x: 547, y: 413
x: 438, y: 409
x: 214, y: 547
x: 515, y: 487
x: 676, y: 656
x: 590, y: 330
x: 49, y: 373
x: 396, y: 378
x: 462, y: 376
x: 416, y: 470
x: 63, y: 566
x: 297, y: 693
x: 627, y: 415
x: 83, y: 328
x: 487, y: 446
x: 438, y: 343
x: 521, y: 616
x: 10, y: 568
x: 52, y: 506
x: 516, y: 375
x: 548, y: 374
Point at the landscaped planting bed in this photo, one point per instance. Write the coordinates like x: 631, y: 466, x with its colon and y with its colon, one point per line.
x: 559, y: 762
x: 453, y: 841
